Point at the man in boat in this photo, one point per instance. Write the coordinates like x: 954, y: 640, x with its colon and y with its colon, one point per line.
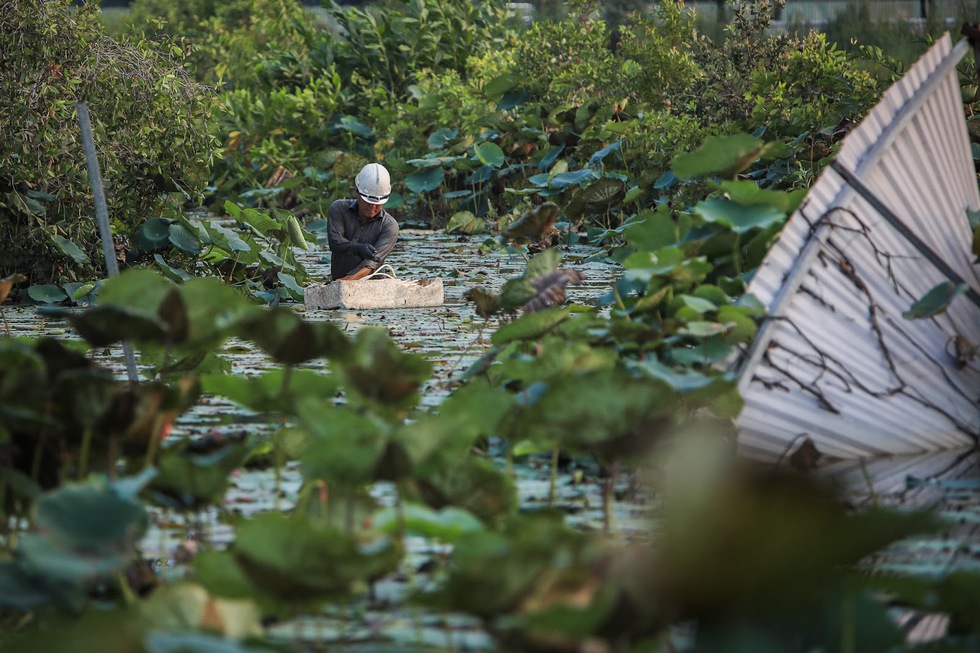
x: 360, y: 232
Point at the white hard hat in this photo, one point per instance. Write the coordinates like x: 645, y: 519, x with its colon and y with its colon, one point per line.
x: 373, y: 183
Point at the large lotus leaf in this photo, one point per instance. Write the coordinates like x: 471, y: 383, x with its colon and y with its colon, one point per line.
x: 176, y: 275
x: 47, y: 294
x: 117, y: 630
x: 290, y: 340
x: 447, y: 525
x: 91, y: 518
x: 512, y: 99
x: 470, y: 413
x: 425, y: 180
x: 534, y: 224
x: 489, y: 154
x: 548, y: 160
x: 654, y: 230
x: 565, y: 179
x: 22, y: 373
x: 597, y: 158
x: 441, y: 138
x: 431, y: 162
x: 191, y: 481
x: 261, y: 221
x: 226, y: 239
x: 494, y: 573
x: 602, y: 192
x: 740, y: 219
x: 272, y: 392
x: 748, y: 193
x: 466, y: 223
x: 531, y: 326
x: 190, y: 607
x: 293, y: 560
x: 221, y: 576
x: 381, y: 372
x: 138, y: 289
x: 21, y: 589
x: 344, y: 447
x: 212, y: 311
x: 184, y: 239
x: 935, y: 301
x: 69, y: 249
x: 83, y: 396
x: 556, y: 357
x: 791, y: 540
x: 471, y: 483
x: 105, y: 325
x: 153, y: 235
x: 354, y: 126
x: 722, y: 156
x: 63, y: 568
x: 623, y: 416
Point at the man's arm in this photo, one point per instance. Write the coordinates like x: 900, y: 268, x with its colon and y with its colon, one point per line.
x: 386, y: 240
x: 358, y: 274
x: 335, y: 229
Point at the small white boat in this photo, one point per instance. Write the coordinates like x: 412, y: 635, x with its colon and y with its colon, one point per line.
x: 375, y: 292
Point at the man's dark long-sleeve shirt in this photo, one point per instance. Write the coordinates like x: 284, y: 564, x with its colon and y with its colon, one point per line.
x: 345, y: 228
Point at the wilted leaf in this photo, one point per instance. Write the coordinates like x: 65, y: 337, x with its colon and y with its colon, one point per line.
x: 534, y: 224
x: 7, y: 284
x: 550, y: 289
x: 467, y: 223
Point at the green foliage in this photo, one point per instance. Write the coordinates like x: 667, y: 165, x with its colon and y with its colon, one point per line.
x: 150, y: 124
x: 384, y: 46
x: 809, y: 89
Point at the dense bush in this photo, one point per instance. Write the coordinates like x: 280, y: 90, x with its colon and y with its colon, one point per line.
x: 150, y: 124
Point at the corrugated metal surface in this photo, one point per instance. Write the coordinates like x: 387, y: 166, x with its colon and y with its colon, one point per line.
x: 837, y: 362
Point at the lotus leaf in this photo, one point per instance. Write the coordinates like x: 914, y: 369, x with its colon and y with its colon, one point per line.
x: 294, y: 561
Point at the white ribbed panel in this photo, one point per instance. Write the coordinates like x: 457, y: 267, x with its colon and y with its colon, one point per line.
x: 837, y: 362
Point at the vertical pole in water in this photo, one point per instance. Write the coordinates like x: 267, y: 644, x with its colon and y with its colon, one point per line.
x: 102, y: 218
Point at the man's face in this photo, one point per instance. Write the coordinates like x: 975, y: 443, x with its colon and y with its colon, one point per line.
x: 366, y: 210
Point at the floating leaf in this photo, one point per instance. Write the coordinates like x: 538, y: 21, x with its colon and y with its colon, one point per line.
x: 47, y: 294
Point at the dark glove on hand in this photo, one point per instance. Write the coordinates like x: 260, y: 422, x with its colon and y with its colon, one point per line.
x: 365, y: 251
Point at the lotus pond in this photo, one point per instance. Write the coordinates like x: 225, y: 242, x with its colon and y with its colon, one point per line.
x: 572, y: 570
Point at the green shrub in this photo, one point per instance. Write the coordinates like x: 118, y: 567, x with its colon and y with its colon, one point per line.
x: 811, y: 87
x: 150, y: 124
